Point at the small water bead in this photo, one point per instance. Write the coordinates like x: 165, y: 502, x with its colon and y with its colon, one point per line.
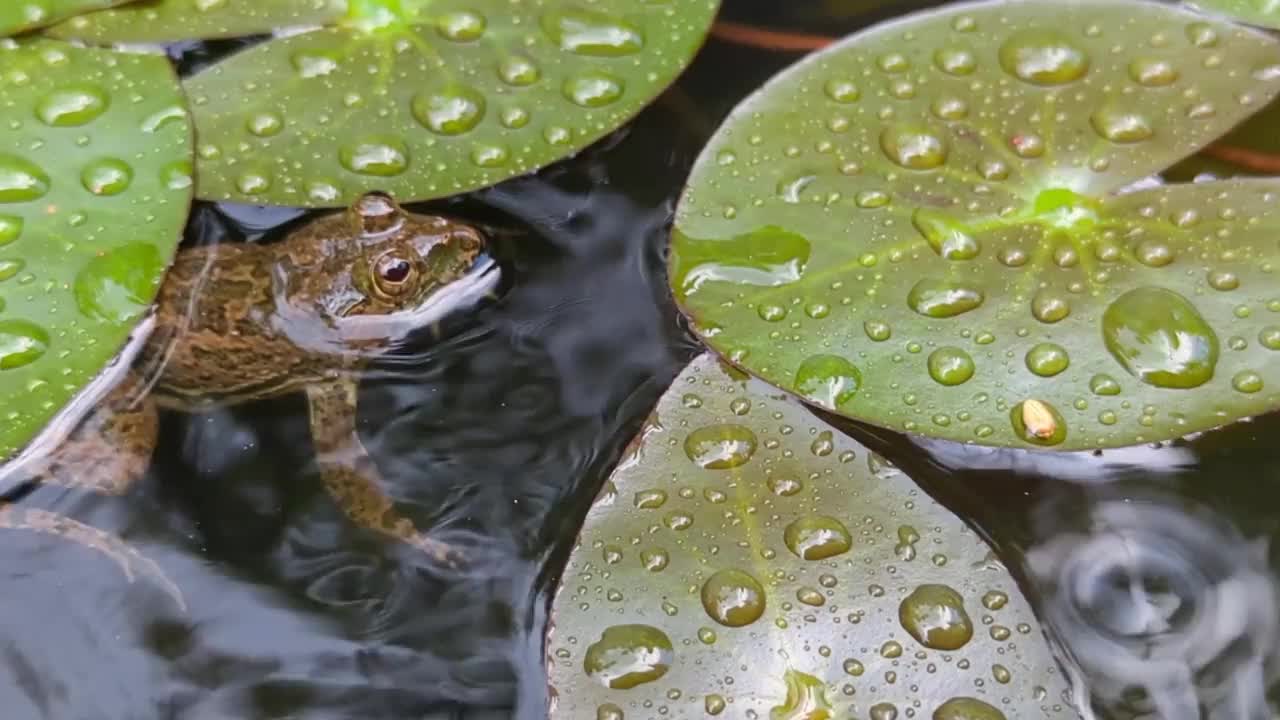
x: 817, y: 537
x: 1154, y: 253
x: 811, y: 597
x: 720, y: 447
x: 1047, y: 359
x: 1247, y: 381
x: 486, y: 155
x: 871, y: 199
x: 593, y: 89
x: 714, y: 704
x: 883, y: 711
x: 842, y: 91
x: 1160, y: 338
x: 73, y: 105
x: 1027, y: 145
x: 650, y: 499
x: 967, y: 708
x: 1202, y: 35
x: 893, y: 62
x: 891, y: 649
x: 106, y: 176
x: 1121, y: 126
x: 265, y: 124
x: 950, y: 366
x: 1268, y: 337
x: 21, y: 180
x: 942, y: 299
x: 733, y: 598
x: 452, y: 110
x: 1223, y: 280
x: 609, y: 711
x: 877, y: 331
x: 9, y: 268
x: 628, y: 655
x: 1151, y: 72
x: 461, y: 26
x: 21, y: 343
x: 252, y: 183
x: 946, y: 235
x: 995, y: 600
x: 380, y: 157
x: 592, y: 33
x: 10, y: 228
x: 1043, y: 57
x: 935, y: 616
x: 828, y: 380
x: 310, y: 64
x: 519, y: 71
x: 955, y: 61
x: 950, y: 108
x: 1038, y: 422
x: 654, y: 560
x: 913, y: 147
x: 1104, y: 385
x: 1050, y: 307
x: 1013, y: 257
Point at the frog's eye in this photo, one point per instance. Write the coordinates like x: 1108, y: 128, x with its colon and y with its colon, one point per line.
x: 393, y: 273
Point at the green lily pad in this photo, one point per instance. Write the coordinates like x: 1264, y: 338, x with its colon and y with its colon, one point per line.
x: 746, y: 559
x: 429, y: 99
x: 18, y: 16
x: 920, y: 227
x: 160, y: 21
x: 1264, y: 13
x: 95, y: 185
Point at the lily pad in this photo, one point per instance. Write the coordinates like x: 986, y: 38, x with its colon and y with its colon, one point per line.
x: 746, y: 559
x: 429, y: 99
x: 160, y: 21
x: 921, y: 227
x: 95, y: 185
x: 1264, y: 13
x: 21, y: 15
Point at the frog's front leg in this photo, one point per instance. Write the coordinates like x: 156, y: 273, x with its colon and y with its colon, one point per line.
x: 350, y: 475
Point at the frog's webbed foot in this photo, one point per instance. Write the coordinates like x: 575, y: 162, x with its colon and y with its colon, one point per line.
x: 132, y: 563
x: 351, y: 477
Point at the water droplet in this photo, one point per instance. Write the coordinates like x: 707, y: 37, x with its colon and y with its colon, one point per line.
x: 1202, y: 35
x: 828, y: 380
x: 967, y: 708
x: 1047, y: 359
x: 842, y: 91
x: 106, y: 176
x: 21, y: 180
x: 628, y: 655
x: 877, y: 331
x: 1223, y: 280
x: 609, y: 711
x: 593, y: 33
x: 117, y: 287
x: 1038, y: 422
x: 452, y: 110
x: 486, y: 155
x: 1268, y: 337
x: 1121, y: 126
x: 942, y: 299
x: 72, y: 106
x: 9, y: 268
x: 733, y: 598
x: 1160, y: 338
x: 769, y: 256
x: 381, y: 157
x: 1043, y: 57
x: 1104, y: 385
x: 265, y: 124
x: 21, y: 343
x: 936, y: 618
x: 1152, y: 72
x: 714, y: 704
x: 947, y: 236
x: 593, y: 89
x: 995, y: 600
x: 720, y: 447
x: 817, y: 537
x: 950, y: 366
x: 1247, y: 381
x: 310, y: 63
x: 806, y: 699
x: 1154, y: 253
x: 913, y: 147
x: 955, y: 61
x: 519, y: 71
x: 461, y: 26
x: 10, y: 228
x: 1050, y: 307
x: 252, y: 183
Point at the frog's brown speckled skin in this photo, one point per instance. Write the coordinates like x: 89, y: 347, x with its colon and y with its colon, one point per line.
x: 242, y: 322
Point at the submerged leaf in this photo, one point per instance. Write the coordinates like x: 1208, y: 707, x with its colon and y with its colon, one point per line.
x: 427, y: 100
x: 945, y: 241
x: 95, y: 184
x: 158, y: 21
x: 746, y: 559
x: 18, y: 16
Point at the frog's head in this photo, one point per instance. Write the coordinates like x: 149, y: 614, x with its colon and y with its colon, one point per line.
x: 376, y: 273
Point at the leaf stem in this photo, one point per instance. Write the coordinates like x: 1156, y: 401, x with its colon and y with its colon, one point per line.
x: 764, y: 39
x: 1255, y: 160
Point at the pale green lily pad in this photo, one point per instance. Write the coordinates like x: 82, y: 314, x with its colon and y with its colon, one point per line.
x: 159, y: 21
x: 919, y: 227
x: 1264, y: 13
x: 18, y: 16
x: 95, y: 185
x: 747, y: 560
x: 433, y: 99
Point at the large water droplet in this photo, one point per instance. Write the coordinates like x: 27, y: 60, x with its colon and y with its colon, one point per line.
x: 967, y: 708
x: 106, y: 176
x: 593, y: 89
x: 381, y: 157
x: 1153, y: 72
x: 1049, y: 307
x: 733, y: 598
x: 1160, y: 338
x: 519, y: 71
x: 589, y: 32
x: 21, y: 180
x: 913, y: 147
x: 720, y: 447
x: 1043, y: 57
x: 950, y: 366
x: 10, y: 228
x: 628, y: 655
x: 946, y: 235
x: 461, y: 26
x: 936, y: 618
x: 1121, y: 126
x: 942, y: 299
x: 117, y: 287
x: 769, y: 256
x: 72, y: 106
x: 21, y: 343
x: 817, y: 537
x: 1047, y: 359
x: 828, y: 380
x: 452, y: 110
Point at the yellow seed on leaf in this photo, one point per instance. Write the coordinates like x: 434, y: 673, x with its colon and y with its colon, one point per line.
x: 1038, y: 419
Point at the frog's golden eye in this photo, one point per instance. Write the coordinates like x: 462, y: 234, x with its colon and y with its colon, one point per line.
x: 393, y: 274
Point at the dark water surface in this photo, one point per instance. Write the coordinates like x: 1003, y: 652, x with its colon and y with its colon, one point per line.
x: 498, y: 435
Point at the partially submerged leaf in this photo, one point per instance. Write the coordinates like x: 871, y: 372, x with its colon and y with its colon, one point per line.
x: 427, y: 100
x: 746, y: 559
x: 159, y: 21
x: 18, y: 16
x: 95, y: 184
x: 919, y: 228
x: 1264, y: 13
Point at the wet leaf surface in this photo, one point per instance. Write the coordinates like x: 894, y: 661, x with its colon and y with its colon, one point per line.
x: 156, y: 21
x: 920, y: 228
x: 1264, y: 13
x: 745, y: 559
x: 434, y: 99
x: 21, y: 15
x: 95, y: 184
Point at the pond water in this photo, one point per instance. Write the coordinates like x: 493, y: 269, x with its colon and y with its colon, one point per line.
x: 499, y: 433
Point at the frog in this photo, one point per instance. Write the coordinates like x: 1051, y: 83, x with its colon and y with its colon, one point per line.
x: 235, y: 323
